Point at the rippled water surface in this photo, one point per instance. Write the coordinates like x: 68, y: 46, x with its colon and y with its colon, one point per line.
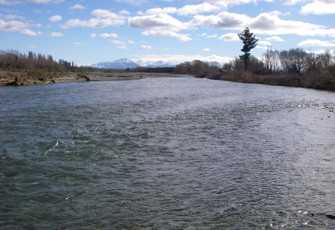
x: 169, y: 153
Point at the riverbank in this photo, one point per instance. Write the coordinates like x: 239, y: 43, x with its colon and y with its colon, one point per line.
x: 319, y: 81
x: 25, y: 78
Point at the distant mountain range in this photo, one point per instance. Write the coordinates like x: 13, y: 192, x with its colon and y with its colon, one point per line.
x: 125, y: 63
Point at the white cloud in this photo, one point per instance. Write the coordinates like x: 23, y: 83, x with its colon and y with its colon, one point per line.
x: 206, y: 49
x: 274, y: 39
x: 8, y: 2
x: 17, y: 26
x: 124, y: 12
x: 55, y: 18
x: 29, y: 32
x: 46, y: 1
x: 206, y: 7
x: 166, y: 10
x: 293, y: 2
x: 229, y: 37
x: 167, y: 33
x: 120, y: 44
x: 12, y: 25
x: 198, y: 9
x: 157, y: 21
x: 102, y: 18
x: 56, y: 34
x: 77, y: 7
x: 319, y: 7
x: 227, y: 3
x: 10, y: 17
x: 160, y: 25
x: 205, y: 35
x: 268, y: 23
x: 145, y: 47
x: 264, y: 43
x: 265, y: 23
x: 106, y: 35
x: 224, y: 20
x: 316, y: 42
x: 132, y: 2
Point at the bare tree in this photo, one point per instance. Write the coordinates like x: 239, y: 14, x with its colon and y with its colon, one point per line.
x: 294, y: 60
x: 271, y: 60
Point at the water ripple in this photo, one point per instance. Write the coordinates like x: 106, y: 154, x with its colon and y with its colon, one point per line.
x: 166, y: 154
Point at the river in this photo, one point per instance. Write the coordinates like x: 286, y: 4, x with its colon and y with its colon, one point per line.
x: 166, y: 153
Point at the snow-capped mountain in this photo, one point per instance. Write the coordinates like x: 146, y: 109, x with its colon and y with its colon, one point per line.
x: 154, y: 64
x: 125, y: 63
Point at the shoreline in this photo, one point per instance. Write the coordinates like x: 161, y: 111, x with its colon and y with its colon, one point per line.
x: 309, y: 81
x: 22, y: 78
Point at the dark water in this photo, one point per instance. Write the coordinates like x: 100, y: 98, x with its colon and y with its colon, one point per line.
x: 166, y: 154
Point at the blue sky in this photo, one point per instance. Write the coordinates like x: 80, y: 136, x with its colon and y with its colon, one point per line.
x: 87, y: 31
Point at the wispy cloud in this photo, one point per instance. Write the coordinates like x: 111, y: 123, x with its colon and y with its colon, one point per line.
x: 132, y: 2
x: 46, y: 1
x: 275, y: 39
x: 18, y: 26
x: 102, y: 18
x: 229, y: 37
x: 317, y: 42
x: 145, y: 47
x: 293, y: 2
x: 9, y: 2
x: 55, y: 18
x: 56, y: 34
x: 77, y: 7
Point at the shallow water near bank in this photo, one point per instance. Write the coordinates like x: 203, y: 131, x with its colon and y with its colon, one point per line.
x: 168, y: 153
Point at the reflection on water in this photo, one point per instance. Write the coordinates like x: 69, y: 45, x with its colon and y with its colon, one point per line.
x: 166, y: 153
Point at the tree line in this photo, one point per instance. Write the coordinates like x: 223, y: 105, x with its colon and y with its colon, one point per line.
x: 13, y: 59
x: 293, y: 67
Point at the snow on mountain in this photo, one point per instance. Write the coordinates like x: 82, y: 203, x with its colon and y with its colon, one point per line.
x: 125, y: 63
x: 116, y: 64
x: 154, y: 64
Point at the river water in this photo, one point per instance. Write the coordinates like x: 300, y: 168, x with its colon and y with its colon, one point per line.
x: 166, y: 153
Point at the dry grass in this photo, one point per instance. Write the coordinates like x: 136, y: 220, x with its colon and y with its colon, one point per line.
x: 316, y: 80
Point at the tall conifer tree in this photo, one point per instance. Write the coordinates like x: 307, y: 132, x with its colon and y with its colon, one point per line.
x: 249, y: 42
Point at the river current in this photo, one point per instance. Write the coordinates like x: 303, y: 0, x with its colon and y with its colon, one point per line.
x: 166, y: 153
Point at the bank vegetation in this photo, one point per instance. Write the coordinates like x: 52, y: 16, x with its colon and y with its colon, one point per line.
x: 294, y: 67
